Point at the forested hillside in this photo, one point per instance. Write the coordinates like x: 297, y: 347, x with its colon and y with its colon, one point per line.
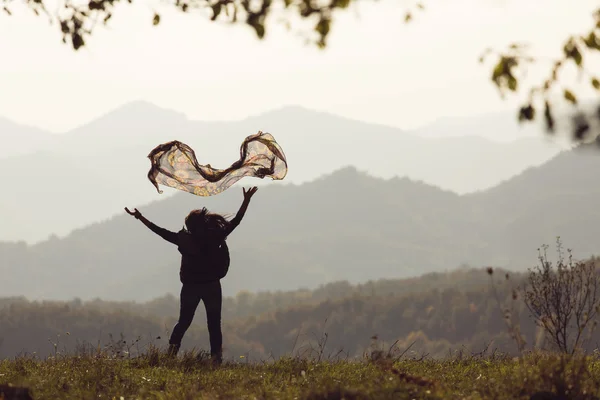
x: 439, y: 312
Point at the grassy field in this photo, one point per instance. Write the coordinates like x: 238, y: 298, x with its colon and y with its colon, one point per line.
x: 154, y: 376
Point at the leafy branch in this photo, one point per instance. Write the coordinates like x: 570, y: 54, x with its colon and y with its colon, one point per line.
x: 511, y: 65
x: 77, y: 20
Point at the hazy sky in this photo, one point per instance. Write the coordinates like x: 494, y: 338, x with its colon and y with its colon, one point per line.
x: 375, y: 68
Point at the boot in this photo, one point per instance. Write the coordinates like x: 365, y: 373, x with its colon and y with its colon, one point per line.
x: 173, y: 350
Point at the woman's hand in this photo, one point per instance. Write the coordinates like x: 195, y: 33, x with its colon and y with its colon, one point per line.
x: 135, y: 213
x: 249, y: 193
x: 240, y: 214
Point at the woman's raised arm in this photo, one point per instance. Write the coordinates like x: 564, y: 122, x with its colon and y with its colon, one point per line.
x: 242, y: 211
x: 162, y: 232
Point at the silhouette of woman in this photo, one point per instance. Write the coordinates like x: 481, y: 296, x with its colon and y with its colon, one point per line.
x: 202, y: 247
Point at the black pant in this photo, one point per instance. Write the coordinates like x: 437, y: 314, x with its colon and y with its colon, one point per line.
x: 211, y: 295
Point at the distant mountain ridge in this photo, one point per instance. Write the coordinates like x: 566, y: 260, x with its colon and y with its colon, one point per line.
x: 346, y: 225
x: 17, y: 139
x: 89, y: 173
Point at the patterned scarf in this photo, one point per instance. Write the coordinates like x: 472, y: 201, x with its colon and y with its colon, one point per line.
x: 174, y: 164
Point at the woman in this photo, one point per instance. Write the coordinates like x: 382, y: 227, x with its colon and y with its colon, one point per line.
x: 204, y: 260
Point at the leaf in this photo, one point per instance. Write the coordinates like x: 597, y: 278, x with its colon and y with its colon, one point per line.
x: 591, y: 41
x: 64, y: 27
x: 408, y: 17
x: 156, y: 19
x: 498, y: 72
x: 548, y: 117
x: 512, y: 83
x: 527, y: 113
x: 77, y: 23
x: 260, y: 30
x: 596, y: 83
x: 502, y: 74
x: 255, y: 22
x: 323, y: 27
x: 77, y: 40
x: 7, y: 11
x: 306, y: 9
x: 582, y: 128
x: 96, y: 5
x: 572, y: 51
x: 547, y: 85
x: 570, y: 97
x: 335, y: 4
x: 577, y: 56
x: 216, y: 8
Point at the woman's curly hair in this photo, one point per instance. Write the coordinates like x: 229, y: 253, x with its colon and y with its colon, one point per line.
x: 204, y: 223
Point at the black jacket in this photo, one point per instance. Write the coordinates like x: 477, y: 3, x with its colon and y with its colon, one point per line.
x: 202, y: 260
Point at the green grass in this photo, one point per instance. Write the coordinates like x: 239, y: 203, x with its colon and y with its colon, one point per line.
x: 154, y: 376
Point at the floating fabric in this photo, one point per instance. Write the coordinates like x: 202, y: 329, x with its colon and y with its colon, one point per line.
x: 174, y: 164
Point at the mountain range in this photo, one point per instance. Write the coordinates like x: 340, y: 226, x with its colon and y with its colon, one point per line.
x: 347, y: 225
x: 54, y: 183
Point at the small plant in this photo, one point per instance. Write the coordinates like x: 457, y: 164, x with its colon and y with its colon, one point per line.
x: 564, y: 299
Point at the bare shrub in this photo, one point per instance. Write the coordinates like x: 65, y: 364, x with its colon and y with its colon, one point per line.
x: 564, y: 298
